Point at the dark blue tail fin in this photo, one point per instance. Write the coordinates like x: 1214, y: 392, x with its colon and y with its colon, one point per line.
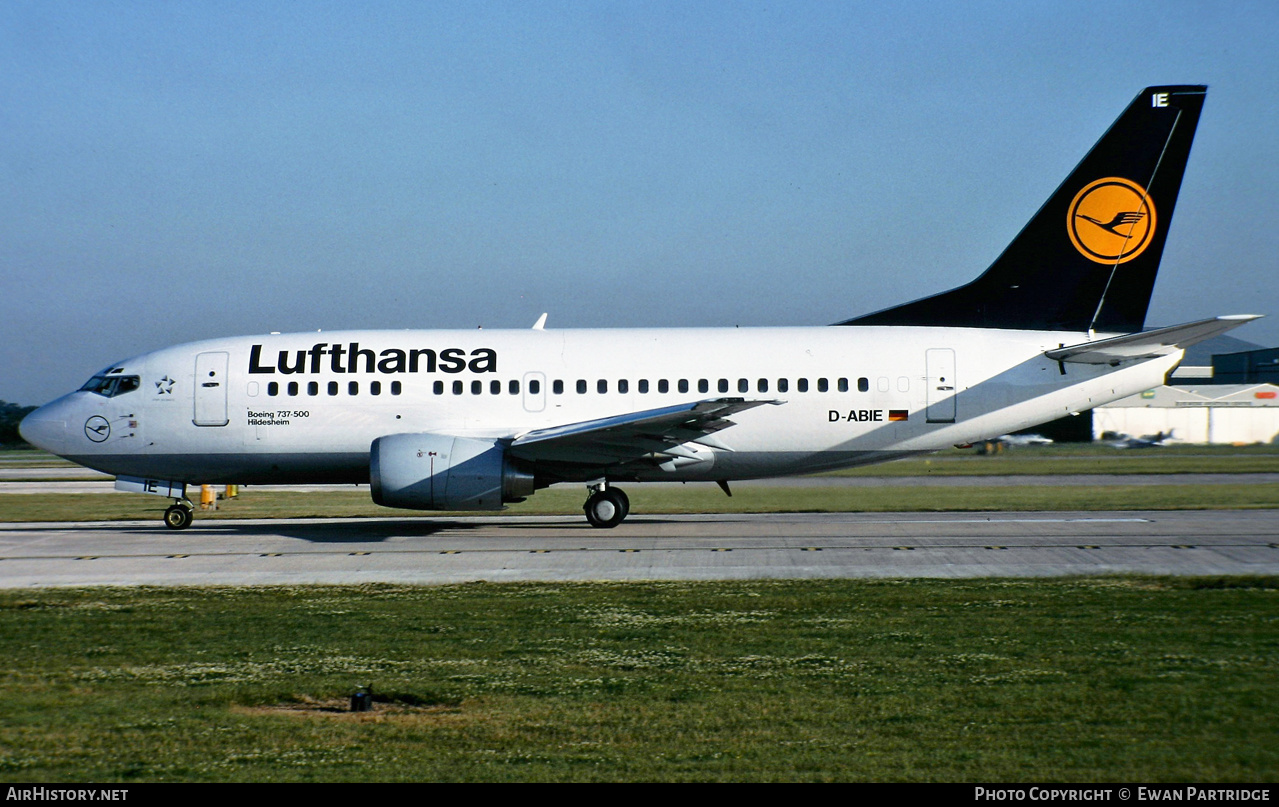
x: 1088, y: 258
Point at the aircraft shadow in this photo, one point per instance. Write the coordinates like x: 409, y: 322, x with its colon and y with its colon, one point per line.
x: 370, y: 531
x: 376, y: 531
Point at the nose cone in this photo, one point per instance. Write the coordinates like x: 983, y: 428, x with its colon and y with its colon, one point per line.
x: 45, y: 428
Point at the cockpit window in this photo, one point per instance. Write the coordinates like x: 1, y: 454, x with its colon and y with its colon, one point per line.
x: 112, y: 385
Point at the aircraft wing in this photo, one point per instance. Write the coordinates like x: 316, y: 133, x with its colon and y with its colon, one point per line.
x: 1148, y: 344
x: 652, y: 433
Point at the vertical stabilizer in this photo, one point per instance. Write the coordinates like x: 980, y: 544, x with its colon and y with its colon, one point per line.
x: 1088, y: 258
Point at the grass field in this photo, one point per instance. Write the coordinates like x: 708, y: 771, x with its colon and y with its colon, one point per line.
x: 1083, y: 459
x: 1113, y: 679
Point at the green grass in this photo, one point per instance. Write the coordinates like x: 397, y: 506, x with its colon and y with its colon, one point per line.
x: 1083, y: 458
x: 1105, y: 679
x: 1127, y: 463
x: 32, y: 458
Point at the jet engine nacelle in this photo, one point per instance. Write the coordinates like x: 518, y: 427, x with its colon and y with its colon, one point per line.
x: 440, y: 472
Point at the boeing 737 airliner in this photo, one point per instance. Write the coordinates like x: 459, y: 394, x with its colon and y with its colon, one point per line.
x: 472, y: 419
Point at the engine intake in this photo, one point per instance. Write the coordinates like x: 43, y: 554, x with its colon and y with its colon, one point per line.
x: 429, y: 471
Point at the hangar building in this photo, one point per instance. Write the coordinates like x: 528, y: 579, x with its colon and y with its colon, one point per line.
x: 1233, y: 397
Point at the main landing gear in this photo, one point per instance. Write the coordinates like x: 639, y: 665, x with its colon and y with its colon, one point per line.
x: 179, y: 515
x: 606, y: 507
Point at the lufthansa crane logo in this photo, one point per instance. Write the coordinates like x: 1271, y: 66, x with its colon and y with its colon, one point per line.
x: 97, y: 428
x: 1111, y: 220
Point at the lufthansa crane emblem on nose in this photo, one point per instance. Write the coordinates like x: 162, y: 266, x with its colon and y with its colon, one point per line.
x: 97, y: 428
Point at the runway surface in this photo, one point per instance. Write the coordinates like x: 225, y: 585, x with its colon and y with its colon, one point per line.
x: 1000, y: 481
x: 688, y: 547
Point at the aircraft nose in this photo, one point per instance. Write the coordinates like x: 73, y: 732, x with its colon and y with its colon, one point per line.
x: 44, y: 429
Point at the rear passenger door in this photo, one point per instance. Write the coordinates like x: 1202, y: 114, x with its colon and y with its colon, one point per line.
x: 940, y: 386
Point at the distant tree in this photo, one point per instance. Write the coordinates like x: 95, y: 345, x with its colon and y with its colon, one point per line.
x: 10, y: 416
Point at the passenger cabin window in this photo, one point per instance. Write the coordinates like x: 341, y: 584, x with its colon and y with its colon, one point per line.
x: 722, y: 385
x: 112, y: 385
x: 843, y: 385
x: 313, y: 388
x: 396, y: 388
x: 822, y: 385
x: 353, y: 388
x: 623, y: 386
x: 863, y: 385
x: 782, y: 385
x: 762, y: 386
x: 801, y: 384
x: 703, y: 385
x: 581, y: 386
x: 601, y: 386
x: 273, y: 388
x: 333, y: 388
x: 375, y: 387
x: 495, y: 388
x: 683, y: 385
x: 557, y: 387
x: 663, y: 385
x: 743, y: 385
x: 293, y: 388
x: 643, y: 386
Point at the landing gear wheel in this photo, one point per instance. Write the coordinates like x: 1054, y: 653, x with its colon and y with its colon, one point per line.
x: 606, y: 508
x: 177, y: 517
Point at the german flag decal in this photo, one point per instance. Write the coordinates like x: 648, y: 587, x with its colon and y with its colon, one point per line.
x: 898, y: 414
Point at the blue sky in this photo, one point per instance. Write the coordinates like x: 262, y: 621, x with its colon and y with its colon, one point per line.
x: 174, y: 171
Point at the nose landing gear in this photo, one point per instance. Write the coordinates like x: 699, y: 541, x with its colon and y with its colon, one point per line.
x: 606, y: 507
x: 179, y: 515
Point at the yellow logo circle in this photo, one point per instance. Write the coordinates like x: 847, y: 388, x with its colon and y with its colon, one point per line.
x: 1111, y: 220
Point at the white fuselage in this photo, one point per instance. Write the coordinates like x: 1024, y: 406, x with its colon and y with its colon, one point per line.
x: 299, y: 408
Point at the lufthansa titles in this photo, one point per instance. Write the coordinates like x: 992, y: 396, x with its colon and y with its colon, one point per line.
x: 351, y: 358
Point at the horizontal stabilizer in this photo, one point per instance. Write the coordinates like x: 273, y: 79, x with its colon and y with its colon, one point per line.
x: 1148, y: 344
x: 629, y: 437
